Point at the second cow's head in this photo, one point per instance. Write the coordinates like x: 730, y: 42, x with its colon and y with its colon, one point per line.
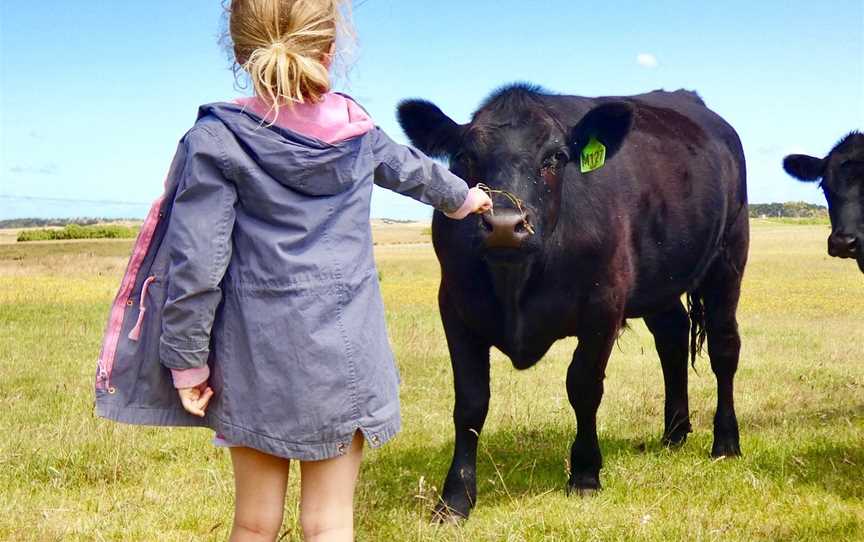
x: 842, y: 179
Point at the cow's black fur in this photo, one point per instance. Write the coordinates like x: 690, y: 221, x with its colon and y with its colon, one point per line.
x: 842, y: 174
x: 666, y: 216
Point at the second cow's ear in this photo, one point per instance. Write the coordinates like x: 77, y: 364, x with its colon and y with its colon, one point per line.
x: 803, y: 167
x: 607, y: 124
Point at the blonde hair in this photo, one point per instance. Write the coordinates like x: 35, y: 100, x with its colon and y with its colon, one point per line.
x: 285, y: 46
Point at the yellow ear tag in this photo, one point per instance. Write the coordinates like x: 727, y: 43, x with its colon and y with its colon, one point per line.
x: 593, y: 155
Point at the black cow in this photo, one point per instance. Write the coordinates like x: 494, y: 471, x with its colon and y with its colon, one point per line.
x: 842, y: 174
x: 664, y: 216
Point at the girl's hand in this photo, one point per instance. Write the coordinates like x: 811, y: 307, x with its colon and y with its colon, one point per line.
x: 476, y: 201
x: 483, y: 201
x: 195, y: 399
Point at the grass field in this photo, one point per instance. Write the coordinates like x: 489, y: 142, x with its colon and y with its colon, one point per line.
x: 65, y: 475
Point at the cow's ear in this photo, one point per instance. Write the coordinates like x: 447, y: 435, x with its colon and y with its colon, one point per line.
x: 428, y: 128
x: 608, y: 123
x: 803, y: 167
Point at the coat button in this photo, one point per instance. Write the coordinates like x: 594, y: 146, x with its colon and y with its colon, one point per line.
x: 375, y: 440
x: 340, y: 447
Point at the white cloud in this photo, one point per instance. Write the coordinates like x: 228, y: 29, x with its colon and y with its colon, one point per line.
x: 647, y: 60
x: 43, y: 169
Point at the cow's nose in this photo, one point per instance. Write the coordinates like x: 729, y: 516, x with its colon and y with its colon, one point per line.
x: 506, y: 228
x: 842, y: 245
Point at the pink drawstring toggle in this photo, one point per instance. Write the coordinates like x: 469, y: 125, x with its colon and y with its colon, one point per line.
x: 135, y: 334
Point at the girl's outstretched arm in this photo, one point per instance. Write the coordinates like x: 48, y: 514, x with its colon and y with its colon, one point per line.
x: 408, y: 171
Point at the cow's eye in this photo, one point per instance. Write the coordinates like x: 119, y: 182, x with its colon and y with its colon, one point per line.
x: 556, y: 159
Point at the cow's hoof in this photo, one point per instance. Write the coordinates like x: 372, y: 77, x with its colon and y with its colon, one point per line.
x: 675, y: 439
x: 583, y: 486
x: 675, y: 433
x: 725, y: 448
x: 447, y: 514
x: 584, y: 491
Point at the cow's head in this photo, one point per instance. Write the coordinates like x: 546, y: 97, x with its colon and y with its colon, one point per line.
x: 842, y: 176
x: 516, y: 143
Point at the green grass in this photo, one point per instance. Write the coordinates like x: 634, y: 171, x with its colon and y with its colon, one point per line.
x: 65, y: 475
x: 77, y: 231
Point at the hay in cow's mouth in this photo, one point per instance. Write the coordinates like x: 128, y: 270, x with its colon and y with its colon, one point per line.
x: 513, y: 199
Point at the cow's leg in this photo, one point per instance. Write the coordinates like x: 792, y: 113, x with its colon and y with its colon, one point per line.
x: 670, y: 330
x: 469, y: 357
x: 720, y: 292
x: 585, y: 390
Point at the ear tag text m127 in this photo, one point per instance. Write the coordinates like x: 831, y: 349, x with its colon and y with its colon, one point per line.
x: 593, y: 156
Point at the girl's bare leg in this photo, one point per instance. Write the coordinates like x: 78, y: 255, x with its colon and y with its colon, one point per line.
x: 327, y: 495
x: 260, y: 481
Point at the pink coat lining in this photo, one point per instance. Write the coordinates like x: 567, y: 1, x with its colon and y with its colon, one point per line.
x: 336, y: 118
x: 115, y: 320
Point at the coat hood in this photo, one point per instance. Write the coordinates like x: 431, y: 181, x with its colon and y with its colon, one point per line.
x: 291, y: 158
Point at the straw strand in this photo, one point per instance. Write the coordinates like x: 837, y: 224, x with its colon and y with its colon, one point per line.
x: 510, y: 196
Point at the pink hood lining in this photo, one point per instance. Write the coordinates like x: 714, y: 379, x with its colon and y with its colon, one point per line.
x: 336, y: 118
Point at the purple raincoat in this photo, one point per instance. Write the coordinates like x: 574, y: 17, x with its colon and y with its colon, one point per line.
x: 258, y: 261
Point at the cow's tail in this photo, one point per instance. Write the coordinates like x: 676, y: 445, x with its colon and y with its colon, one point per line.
x: 696, y: 313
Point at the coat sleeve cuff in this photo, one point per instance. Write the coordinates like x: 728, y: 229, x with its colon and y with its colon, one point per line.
x: 472, y: 200
x: 190, y: 378
x: 185, y: 355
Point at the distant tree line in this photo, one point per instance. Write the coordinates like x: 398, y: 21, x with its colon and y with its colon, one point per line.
x: 77, y: 231
x: 58, y: 222
x: 790, y: 209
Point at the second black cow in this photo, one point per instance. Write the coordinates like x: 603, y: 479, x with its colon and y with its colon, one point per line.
x: 842, y: 180
x: 622, y: 206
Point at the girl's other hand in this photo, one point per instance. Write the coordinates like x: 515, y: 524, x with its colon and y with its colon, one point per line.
x: 195, y: 399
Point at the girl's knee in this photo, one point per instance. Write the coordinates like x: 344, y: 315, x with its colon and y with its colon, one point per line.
x: 327, y: 525
x: 257, y: 520
x: 251, y: 529
x: 260, y: 482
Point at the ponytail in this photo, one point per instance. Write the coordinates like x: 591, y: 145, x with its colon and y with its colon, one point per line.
x: 282, y: 76
x: 285, y: 47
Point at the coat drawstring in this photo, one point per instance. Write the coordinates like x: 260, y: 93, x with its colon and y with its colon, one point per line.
x: 135, y: 334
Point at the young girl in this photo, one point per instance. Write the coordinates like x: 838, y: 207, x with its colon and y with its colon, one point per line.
x: 257, y: 278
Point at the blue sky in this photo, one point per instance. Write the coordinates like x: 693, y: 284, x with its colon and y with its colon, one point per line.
x: 94, y: 94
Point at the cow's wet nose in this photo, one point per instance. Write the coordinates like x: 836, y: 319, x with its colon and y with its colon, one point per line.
x: 505, y: 228
x: 843, y: 245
